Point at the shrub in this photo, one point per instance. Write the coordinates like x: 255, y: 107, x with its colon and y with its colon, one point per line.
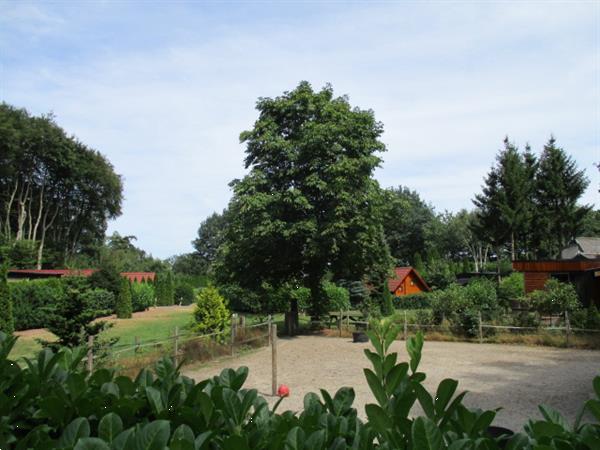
x: 100, y: 301
x: 106, y: 277
x: 123, y: 307
x: 71, y: 320
x: 142, y: 296
x: 7, y: 323
x: 413, y: 301
x: 511, y: 289
x: 424, y: 317
x: 480, y: 295
x: 211, y: 314
x: 527, y: 319
x: 240, y: 299
x: 164, y: 289
x: 53, y: 402
x: 336, y: 297
x: 33, y: 301
x: 593, y: 318
x: 556, y: 298
x: 184, y: 294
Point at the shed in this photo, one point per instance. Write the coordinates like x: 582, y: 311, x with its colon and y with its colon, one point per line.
x: 405, y: 281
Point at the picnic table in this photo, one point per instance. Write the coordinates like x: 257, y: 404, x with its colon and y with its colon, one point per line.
x: 353, y: 317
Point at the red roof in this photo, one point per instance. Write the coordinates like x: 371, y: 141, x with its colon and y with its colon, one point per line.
x: 400, y: 273
x: 131, y: 276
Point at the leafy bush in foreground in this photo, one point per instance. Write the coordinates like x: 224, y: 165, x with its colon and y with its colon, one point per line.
x: 54, y: 403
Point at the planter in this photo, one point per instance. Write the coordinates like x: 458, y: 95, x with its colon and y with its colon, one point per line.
x: 359, y: 336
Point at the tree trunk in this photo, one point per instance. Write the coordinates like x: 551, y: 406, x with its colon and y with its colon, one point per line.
x: 512, y: 246
x: 9, y: 208
x: 316, y: 297
x: 45, y: 228
x: 22, y: 213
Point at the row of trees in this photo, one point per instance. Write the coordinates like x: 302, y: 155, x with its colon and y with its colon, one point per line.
x: 56, y: 194
x: 310, y: 210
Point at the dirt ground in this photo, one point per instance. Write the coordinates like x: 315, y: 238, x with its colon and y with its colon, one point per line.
x: 517, y: 378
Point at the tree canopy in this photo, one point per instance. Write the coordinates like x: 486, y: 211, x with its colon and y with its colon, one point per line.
x: 56, y: 193
x: 309, y: 205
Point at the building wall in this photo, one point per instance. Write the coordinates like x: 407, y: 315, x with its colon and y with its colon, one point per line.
x: 535, y: 281
x: 410, y: 285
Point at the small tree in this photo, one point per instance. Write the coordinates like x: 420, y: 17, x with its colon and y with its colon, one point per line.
x: 124, y: 307
x: 169, y: 290
x: 72, y: 320
x: 6, y: 309
x: 337, y: 297
x: 556, y: 298
x: 211, y: 313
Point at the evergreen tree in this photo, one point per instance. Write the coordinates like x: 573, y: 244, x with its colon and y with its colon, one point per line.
x: 169, y: 289
x: 124, y: 307
x: 6, y: 310
x: 159, y: 290
x: 558, y: 187
x: 504, y: 205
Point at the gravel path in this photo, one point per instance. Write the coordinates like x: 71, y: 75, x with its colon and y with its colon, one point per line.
x: 515, y: 377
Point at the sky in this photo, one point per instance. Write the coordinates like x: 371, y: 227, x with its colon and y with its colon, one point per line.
x: 163, y: 89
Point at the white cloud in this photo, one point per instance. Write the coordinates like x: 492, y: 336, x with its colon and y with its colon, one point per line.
x: 447, y: 81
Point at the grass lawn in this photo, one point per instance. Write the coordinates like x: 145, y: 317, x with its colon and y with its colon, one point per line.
x: 156, y: 323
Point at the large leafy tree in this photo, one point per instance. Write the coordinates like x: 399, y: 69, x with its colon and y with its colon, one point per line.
x: 407, y: 218
x: 309, y: 205
x: 558, y: 187
x: 54, y: 191
x: 211, y: 235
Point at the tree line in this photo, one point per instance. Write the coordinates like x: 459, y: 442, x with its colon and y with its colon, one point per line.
x: 56, y: 194
x: 310, y: 210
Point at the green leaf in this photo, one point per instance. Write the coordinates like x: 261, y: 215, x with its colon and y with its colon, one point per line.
x: 376, y: 342
x: 109, y: 427
x: 553, y: 416
x: 77, y: 429
x: 183, y: 433
x: 395, y: 377
x: 91, y: 444
x: 596, y: 384
x: 375, y: 361
x: 202, y: 440
x: 425, y: 401
x: 444, y: 393
x: 154, y: 436
x: 343, y: 400
x: 316, y: 440
x: 483, y: 422
x: 295, y: 439
x: 375, y: 386
x: 155, y: 400
x: 378, y: 418
x: 426, y: 435
x: 593, y: 406
x: 518, y: 441
x: 125, y: 440
x: 414, y: 347
x: 546, y: 429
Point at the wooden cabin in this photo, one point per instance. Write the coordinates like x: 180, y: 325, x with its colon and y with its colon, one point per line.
x: 406, y: 281
x: 579, y: 264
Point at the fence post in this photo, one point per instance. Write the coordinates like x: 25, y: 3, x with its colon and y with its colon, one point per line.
x: 176, y: 345
x: 340, y: 322
x: 480, y: 328
x: 269, y: 323
x: 233, y: 325
x: 405, y: 326
x: 274, y: 359
x: 567, y: 327
x: 90, y: 354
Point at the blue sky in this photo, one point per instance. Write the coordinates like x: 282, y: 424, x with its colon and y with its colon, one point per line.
x: 164, y: 88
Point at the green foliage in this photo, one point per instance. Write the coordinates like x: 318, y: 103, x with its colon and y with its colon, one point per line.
x: 211, y: 313
x: 336, y: 297
x: 413, y: 301
x: 71, y: 188
x: 511, y: 288
x: 7, y: 324
x: 123, y: 308
x: 52, y: 402
x: 556, y: 298
x: 184, y: 294
x: 71, y: 320
x: 439, y: 274
x: 240, y: 299
x: 357, y: 290
x: 142, y: 296
x: 106, y: 277
x: 21, y: 254
x: 309, y: 205
x: 387, y: 304
x: 211, y: 236
x: 164, y: 289
x: 101, y: 301
x: 34, y: 301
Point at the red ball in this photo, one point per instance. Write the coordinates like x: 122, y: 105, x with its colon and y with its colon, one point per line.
x: 283, y: 391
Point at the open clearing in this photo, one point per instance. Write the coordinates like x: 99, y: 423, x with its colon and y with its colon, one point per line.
x: 515, y: 377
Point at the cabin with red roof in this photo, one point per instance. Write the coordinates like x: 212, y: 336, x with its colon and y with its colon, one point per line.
x: 406, y: 281
x: 34, y: 274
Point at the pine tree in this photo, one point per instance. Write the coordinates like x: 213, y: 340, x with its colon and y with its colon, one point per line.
x: 124, y: 307
x: 158, y: 290
x: 558, y: 187
x: 6, y: 310
x: 505, y: 201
